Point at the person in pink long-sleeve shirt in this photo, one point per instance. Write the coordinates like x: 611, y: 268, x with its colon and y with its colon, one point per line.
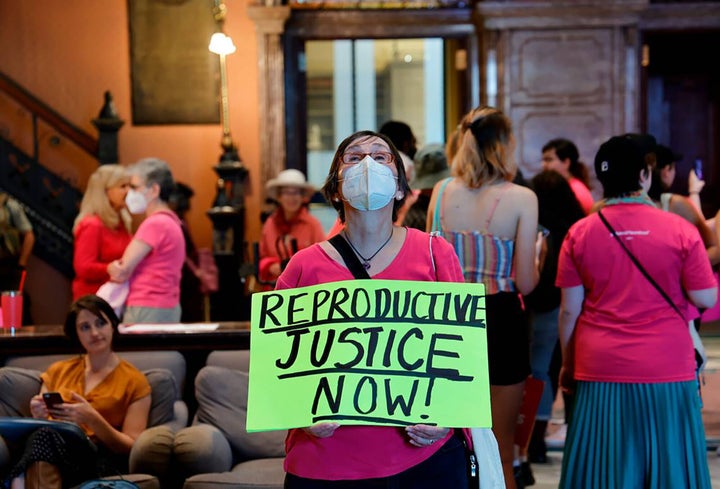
x: 291, y: 227
x: 102, y: 228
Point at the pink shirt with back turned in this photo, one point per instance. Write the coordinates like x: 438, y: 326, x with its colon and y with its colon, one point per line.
x: 626, y: 331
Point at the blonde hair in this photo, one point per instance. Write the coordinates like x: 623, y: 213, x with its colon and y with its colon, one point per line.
x: 95, y: 201
x: 485, y: 153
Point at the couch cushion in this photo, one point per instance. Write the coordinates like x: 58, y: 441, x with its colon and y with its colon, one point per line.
x: 164, y: 394
x: 169, y: 360
x: 23, y: 384
x: 221, y: 394
x: 142, y: 360
x: 233, y: 359
x: 266, y: 473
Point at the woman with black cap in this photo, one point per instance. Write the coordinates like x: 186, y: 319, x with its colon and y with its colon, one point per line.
x: 628, y: 275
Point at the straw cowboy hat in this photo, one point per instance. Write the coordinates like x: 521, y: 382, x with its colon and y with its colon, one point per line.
x: 289, y: 178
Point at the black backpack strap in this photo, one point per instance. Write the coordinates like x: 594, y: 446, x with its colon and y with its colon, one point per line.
x: 640, y: 267
x: 349, y: 256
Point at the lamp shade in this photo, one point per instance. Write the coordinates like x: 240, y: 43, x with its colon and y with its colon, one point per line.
x: 221, y: 44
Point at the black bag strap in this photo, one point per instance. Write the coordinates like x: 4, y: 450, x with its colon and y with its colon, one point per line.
x: 349, y: 256
x: 640, y: 267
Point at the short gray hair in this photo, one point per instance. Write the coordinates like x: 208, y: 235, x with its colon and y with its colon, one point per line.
x: 155, y: 170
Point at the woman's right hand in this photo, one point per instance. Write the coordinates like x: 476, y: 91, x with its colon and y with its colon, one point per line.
x: 38, y: 408
x: 322, y: 430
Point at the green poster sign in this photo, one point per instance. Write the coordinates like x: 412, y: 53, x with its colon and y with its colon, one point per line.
x: 372, y: 352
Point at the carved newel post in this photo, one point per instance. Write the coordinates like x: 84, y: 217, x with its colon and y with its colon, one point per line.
x: 108, y: 124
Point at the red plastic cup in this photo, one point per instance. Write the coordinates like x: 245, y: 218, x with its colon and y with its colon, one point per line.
x: 12, y: 306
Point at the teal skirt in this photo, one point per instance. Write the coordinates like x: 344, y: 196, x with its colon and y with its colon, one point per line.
x: 635, y: 436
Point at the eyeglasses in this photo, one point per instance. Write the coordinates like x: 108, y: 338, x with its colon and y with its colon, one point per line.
x: 382, y: 157
x: 290, y: 191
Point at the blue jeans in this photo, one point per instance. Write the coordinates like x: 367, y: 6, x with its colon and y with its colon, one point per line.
x: 543, y: 337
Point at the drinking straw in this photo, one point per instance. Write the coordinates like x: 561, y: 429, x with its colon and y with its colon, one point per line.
x: 22, y: 280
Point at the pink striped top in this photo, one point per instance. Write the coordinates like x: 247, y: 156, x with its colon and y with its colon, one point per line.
x: 484, y: 258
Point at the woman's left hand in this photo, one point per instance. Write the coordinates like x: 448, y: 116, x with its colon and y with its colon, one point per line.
x: 79, y: 412
x: 422, y: 435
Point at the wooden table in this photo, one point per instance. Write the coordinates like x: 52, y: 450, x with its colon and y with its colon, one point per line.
x: 49, y: 339
x: 194, y: 346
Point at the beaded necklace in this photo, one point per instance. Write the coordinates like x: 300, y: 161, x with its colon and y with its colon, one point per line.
x: 640, y: 197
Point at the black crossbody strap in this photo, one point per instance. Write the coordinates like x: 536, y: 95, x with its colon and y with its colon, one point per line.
x: 640, y: 267
x: 351, y: 260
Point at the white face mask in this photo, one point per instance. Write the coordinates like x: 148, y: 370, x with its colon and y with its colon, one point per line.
x: 135, y: 202
x: 368, y: 185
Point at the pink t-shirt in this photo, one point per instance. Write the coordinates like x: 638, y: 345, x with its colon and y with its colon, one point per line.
x: 582, y: 194
x: 362, y: 452
x: 156, y: 279
x: 626, y: 331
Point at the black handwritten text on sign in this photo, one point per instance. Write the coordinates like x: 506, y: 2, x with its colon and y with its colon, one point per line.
x: 378, y: 352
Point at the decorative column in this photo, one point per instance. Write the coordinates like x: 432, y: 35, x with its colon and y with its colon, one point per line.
x: 108, y: 124
x: 270, y: 25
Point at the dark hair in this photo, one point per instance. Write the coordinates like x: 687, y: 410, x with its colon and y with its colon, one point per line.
x: 179, y: 199
x: 93, y: 304
x: 566, y: 150
x: 401, y: 135
x: 619, y: 163
x: 558, y: 208
x: 664, y: 157
x: 331, y: 187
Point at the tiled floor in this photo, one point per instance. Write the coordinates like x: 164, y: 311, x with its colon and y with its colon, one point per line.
x: 548, y: 475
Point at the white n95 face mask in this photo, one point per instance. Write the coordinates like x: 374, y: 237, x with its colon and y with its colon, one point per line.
x: 368, y: 185
x: 136, y: 202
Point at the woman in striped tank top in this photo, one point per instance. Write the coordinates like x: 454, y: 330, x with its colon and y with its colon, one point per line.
x: 492, y: 224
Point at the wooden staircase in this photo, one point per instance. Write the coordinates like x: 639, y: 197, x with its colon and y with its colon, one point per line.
x: 44, y: 163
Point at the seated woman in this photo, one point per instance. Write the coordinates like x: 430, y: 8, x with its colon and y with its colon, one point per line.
x: 290, y: 227
x: 103, y: 394
x: 102, y: 228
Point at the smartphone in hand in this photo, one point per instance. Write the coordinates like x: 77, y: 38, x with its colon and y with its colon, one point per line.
x: 52, y: 399
x: 698, y: 167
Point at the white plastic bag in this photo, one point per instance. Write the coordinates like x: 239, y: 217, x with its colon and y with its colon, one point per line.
x: 490, y: 472
x: 115, y: 294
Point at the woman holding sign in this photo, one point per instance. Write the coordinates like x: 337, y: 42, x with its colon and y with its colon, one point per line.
x: 492, y: 225
x: 367, y: 186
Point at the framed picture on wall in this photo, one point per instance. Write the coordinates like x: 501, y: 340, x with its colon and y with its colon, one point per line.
x: 175, y: 79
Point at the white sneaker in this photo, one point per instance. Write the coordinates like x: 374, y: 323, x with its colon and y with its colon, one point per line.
x: 556, y: 437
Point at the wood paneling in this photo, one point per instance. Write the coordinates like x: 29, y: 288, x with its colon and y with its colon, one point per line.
x: 566, y: 72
